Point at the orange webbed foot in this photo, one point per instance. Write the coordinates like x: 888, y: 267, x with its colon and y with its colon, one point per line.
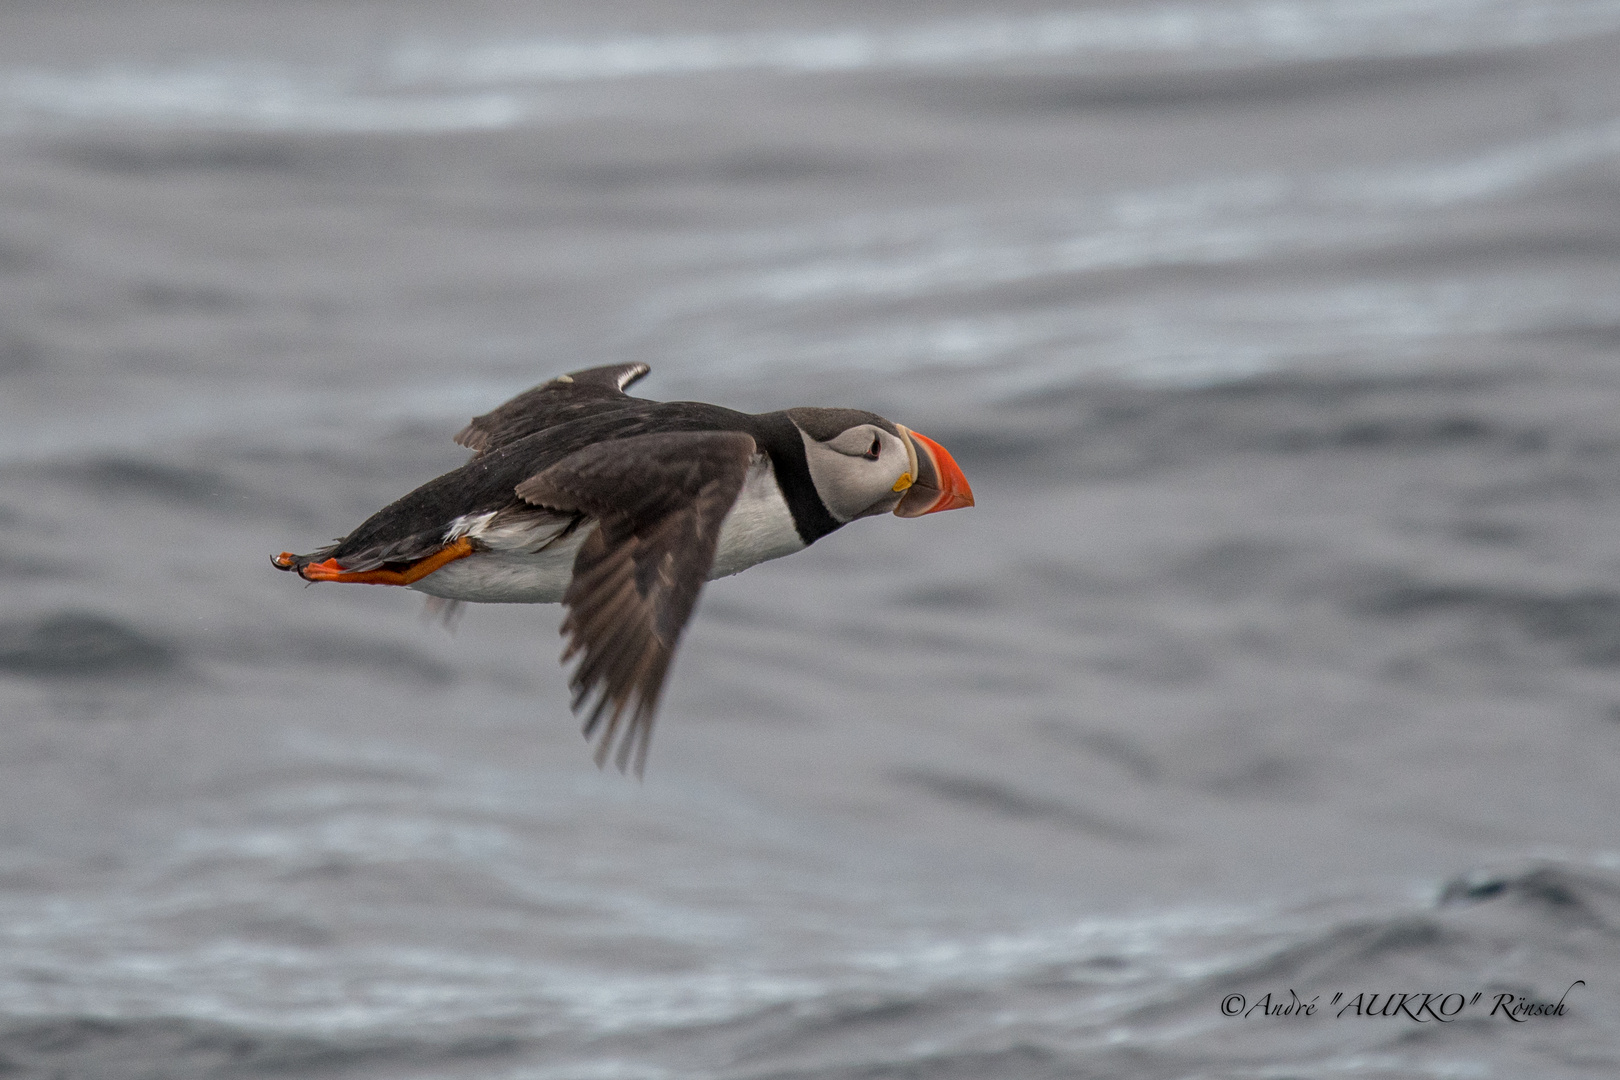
x: 332, y: 570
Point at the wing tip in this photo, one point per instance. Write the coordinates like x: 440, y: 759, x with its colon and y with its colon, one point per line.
x: 625, y: 742
x: 627, y: 748
x: 472, y: 437
x: 632, y: 374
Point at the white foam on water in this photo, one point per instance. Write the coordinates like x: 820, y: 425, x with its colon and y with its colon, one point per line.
x: 429, y: 86
x: 1196, y: 341
x: 1218, y: 222
x: 246, y: 97
x: 1203, y: 34
x: 138, y: 968
x: 130, y: 946
x: 1497, y: 172
x: 747, y: 304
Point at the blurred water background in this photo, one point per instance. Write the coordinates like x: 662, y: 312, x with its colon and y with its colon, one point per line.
x: 1278, y: 338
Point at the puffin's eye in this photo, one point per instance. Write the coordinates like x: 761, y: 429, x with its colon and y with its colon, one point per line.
x: 873, y: 450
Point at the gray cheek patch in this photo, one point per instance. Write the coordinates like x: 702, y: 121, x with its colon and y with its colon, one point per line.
x: 829, y: 471
x: 851, y: 487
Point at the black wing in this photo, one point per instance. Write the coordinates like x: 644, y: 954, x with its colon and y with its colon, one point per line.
x: 567, y: 397
x: 658, y: 501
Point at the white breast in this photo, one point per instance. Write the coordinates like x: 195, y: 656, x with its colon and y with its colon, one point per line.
x: 508, y: 577
x: 759, y: 527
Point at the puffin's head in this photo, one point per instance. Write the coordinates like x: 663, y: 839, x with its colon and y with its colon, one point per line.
x: 863, y: 465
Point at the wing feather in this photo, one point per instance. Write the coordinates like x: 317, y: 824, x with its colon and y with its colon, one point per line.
x: 658, y: 501
x: 567, y: 397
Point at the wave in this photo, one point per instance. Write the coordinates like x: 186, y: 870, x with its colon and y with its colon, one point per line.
x: 874, y: 272
x: 434, y: 86
x: 1216, y: 222
x: 177, y: 1046
x: 1584, y: 624
x: 77, y: 644
x: 242, y: 97
x: 1197, y: 34
x: 1139, y: 995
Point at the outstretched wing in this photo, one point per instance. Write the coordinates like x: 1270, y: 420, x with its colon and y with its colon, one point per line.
x: 658, y: 502
x: 567, y: 397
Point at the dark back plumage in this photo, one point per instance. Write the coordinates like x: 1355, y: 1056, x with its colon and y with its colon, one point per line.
x: 412, y: 527
x: 568, y: 397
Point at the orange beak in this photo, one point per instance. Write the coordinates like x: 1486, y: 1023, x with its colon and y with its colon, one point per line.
x: 938, y: 483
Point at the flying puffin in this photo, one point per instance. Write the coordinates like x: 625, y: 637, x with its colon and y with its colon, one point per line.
x: 621, y: 508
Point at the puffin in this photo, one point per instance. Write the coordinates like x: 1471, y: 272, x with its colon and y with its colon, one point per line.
x: 620, y: 508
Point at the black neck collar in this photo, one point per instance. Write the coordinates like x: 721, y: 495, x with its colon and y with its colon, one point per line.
x: 779, y: 437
